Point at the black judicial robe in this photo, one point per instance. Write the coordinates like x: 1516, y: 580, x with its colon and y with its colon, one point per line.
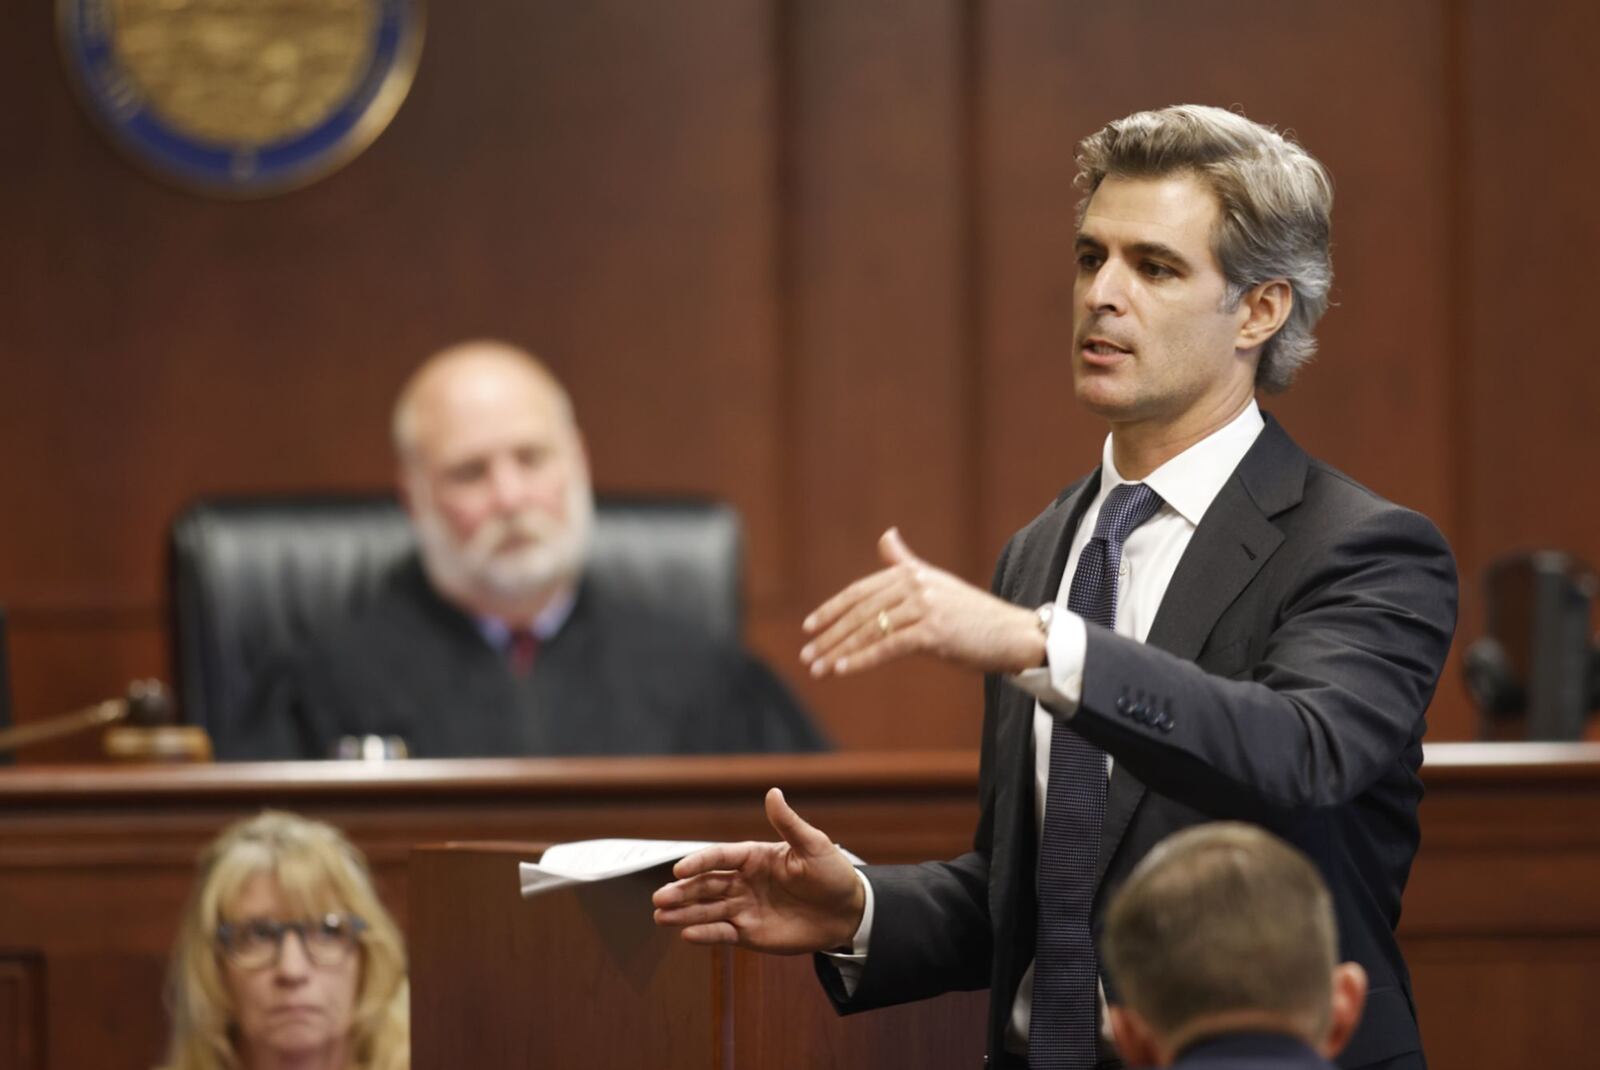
x: 617, y: 678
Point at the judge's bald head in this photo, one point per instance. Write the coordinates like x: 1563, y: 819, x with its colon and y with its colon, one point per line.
x: 493, y: 471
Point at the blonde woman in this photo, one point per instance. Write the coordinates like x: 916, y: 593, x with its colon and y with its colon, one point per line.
x: 286, y: 958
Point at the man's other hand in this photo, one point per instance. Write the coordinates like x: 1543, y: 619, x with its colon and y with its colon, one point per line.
x: 791, y: 897
x: 910, y: 607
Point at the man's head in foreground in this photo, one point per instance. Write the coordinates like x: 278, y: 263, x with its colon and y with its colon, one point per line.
x: 494, y: 474
x: 1225, y: 929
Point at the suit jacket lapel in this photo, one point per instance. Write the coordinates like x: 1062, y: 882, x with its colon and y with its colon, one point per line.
x: 1031, y: 579
x: 1232, y: 543
x: 1041, y: 559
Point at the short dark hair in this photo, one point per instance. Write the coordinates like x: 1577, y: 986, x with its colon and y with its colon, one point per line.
x: 1218, y: 918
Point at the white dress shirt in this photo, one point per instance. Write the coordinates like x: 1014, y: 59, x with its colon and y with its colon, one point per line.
x: 1188, y: 484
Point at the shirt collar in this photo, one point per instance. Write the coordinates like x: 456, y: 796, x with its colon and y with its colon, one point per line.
x: 549, y: 621
x: 1191, y: 481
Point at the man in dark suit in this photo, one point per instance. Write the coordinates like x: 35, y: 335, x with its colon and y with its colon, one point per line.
x: 1224, y: 951
x: 493, y: 640
x: 1230, y: 627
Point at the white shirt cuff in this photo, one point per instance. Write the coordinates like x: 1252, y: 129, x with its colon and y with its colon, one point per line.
x: 1059, y: 682
x: 850, y: 964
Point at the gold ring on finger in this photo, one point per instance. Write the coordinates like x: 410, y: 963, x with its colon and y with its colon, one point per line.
x: 884, y: 624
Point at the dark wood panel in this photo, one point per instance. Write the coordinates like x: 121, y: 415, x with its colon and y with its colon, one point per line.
x: 811, y: 257
x: 508, y: 982
x: 1535, y: 994
x: 1499, y: 910
x: 1528, y: 368
x: 21, y: 1017
x: 64, y: 662
x: 595, y: 181
x: 75, y: 841
x: 1501, y: 928
x: 576, y: 977
x: 878, y: 324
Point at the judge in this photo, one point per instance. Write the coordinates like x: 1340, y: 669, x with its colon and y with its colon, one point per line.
x: 492, y: 640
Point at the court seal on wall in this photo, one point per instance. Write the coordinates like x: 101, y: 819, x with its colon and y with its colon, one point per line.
x: 242, y: 97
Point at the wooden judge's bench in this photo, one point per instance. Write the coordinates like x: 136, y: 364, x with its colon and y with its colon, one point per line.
x: 1501, y: 926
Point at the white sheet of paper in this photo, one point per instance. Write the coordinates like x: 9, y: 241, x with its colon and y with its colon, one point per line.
x: 598, y: 860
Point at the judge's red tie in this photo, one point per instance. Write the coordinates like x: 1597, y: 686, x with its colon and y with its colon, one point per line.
x: 522, y: 651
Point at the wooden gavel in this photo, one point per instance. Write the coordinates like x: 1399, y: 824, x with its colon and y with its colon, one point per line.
x: 150, y: 732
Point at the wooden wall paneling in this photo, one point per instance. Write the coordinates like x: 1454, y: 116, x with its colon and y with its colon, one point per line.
x: 1034, y: 438
x: 879, y: 290
x: 96, y: 863
x: 497, y: 980
x: 596, y: 181
x: 1534, y: 383
x: 811, y: 257
x: 66, y: 660
x: 1536, y: 991
x: 1499, y: 926
x: 1527, y: 368
x: 21, y: 1011
x: 1498, y: 915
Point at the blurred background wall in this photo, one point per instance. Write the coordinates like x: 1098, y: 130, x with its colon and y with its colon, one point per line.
x: 812, y: 256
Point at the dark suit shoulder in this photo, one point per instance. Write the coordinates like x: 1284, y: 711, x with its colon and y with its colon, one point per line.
x: 1340, y: 519
x: 1324, y: 514
x: 1353, y: 499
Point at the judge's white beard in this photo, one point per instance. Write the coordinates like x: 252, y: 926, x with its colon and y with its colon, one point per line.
x: 477, y: 576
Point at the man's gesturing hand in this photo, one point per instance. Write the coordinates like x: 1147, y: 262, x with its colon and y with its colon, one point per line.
x: 910, y: 607
x: 791, y: 897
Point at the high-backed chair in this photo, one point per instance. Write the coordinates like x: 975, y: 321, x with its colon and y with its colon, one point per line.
x: 250, y: 578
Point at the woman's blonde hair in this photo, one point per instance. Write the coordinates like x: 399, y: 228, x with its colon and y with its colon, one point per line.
x: 318, y: 871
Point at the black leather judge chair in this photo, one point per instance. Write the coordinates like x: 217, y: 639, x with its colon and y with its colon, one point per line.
x: 250, y: 578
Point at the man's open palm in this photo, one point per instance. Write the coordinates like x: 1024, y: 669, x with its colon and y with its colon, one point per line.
x: 797, y: 895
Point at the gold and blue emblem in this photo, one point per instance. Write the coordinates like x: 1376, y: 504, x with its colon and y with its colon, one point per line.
x: 242, y: 97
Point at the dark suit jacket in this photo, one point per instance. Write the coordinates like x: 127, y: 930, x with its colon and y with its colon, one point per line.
x: 617, y: 678
x: 1250, y: 1051
x: 1293, y: 656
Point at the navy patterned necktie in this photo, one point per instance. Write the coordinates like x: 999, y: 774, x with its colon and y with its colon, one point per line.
x: 1063, y: 1034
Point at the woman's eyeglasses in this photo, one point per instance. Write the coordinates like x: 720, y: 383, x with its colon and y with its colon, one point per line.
x: 258, y: 942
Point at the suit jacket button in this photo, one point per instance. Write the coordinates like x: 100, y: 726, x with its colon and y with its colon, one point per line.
x: 1165, y: 724
x: 1122, y: 704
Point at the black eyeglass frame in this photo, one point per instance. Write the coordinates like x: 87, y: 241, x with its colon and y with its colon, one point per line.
x: 228, y: 934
